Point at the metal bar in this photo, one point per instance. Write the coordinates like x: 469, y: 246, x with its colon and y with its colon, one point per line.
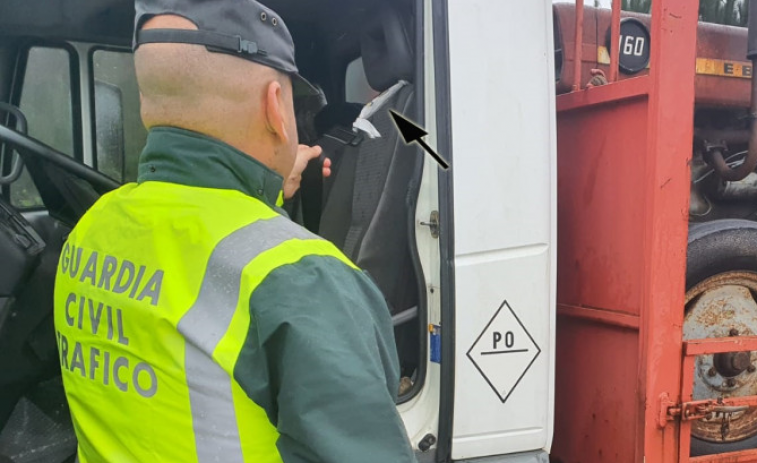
x: 579, y: 43
x: 749, y: 401
x: 670, y: 129
x: 605, y: 94
x: 744, y: 456
x: 615, y: 41
x: 687, y: 392
x: 719, y: 345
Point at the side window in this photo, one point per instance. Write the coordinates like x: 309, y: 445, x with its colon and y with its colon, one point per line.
x: 46, y: 102
x: 120, y: 135
x: 356, y: 88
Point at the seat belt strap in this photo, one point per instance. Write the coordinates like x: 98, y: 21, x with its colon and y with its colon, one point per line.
x: 334, y: 143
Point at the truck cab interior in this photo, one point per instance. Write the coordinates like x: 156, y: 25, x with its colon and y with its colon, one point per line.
x: 70, y: 132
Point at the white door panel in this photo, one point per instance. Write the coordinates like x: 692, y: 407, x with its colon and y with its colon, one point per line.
x: 503, y: 119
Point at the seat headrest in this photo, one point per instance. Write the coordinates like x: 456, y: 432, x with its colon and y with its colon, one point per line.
x: 387, y: 50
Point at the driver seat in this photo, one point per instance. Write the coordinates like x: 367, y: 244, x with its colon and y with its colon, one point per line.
x: 370, y: 196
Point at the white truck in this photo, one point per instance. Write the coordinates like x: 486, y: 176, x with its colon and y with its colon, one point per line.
x: 465, y: 256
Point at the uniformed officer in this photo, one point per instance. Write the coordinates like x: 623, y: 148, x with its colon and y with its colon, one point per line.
x: 194, y: 322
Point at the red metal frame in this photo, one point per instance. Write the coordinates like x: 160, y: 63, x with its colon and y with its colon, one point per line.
x: 579, y: 42
x: 623, y: 181
x: 669, y: 148
x: 614, y: 41
x: 692, y: 349
x: 623, y: 191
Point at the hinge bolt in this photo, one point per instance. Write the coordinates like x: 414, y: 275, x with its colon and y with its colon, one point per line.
x: 734, y: 332
x: 730, y: 382
x: 427, y: 442
x: 711, y: 372
x: 433, y: 224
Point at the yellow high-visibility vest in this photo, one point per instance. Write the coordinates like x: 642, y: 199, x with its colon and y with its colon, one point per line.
x: 151, y: 312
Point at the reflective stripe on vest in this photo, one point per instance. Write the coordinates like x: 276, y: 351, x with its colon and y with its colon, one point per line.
x: 215, y: 307
x: 152, y: 311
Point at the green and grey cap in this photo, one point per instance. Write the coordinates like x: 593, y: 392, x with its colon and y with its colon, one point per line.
x: 243, y: 28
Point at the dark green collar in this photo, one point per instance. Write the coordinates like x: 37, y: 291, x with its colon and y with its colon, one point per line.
x: 188, y: 158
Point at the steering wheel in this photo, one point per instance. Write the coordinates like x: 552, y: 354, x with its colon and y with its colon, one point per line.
x: 67, y: 187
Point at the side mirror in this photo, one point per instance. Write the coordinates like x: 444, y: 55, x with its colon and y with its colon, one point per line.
x: 109, y: 128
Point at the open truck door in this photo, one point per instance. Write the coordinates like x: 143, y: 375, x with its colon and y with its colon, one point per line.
x: 503, y: 140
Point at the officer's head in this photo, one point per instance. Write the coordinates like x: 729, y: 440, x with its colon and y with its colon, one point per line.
x: 224, y: 68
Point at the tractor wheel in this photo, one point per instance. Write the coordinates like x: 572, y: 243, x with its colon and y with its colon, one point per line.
x: 721, y: 301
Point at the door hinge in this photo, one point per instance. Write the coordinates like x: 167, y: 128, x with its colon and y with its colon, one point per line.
x: 433, y: 224
x: 695, y: 410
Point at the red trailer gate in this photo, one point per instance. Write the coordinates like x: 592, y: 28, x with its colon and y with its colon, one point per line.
x: 687, y: 410
x: 623, y: 202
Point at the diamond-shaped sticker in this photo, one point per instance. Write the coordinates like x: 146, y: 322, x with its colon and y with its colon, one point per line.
x: 504, y: 351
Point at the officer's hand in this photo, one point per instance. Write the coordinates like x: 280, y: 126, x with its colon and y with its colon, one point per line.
x: 305, y: 154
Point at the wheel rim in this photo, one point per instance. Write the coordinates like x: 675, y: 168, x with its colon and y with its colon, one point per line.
x: 721, y: 306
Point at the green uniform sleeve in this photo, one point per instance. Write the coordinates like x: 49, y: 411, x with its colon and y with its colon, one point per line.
x: 320, y: 358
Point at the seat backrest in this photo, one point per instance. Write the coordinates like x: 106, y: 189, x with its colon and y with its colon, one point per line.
x: 367, y: 212
x: 332, y: 124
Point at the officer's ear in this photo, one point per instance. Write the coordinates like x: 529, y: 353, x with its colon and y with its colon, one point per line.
x: 276, y: 117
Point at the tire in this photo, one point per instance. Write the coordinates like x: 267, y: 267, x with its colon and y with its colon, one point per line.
x: 720, y: 246
x: 714, y: 248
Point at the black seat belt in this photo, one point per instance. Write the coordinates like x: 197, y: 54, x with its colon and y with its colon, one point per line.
x: 334, y: 143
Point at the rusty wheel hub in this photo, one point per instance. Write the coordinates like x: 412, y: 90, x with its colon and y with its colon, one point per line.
x: 722, y: 306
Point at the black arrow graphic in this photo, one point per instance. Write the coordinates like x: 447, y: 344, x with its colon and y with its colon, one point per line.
x: 412, y: 133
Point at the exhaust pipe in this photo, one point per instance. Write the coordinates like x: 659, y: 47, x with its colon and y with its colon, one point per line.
x: 721, y: 167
